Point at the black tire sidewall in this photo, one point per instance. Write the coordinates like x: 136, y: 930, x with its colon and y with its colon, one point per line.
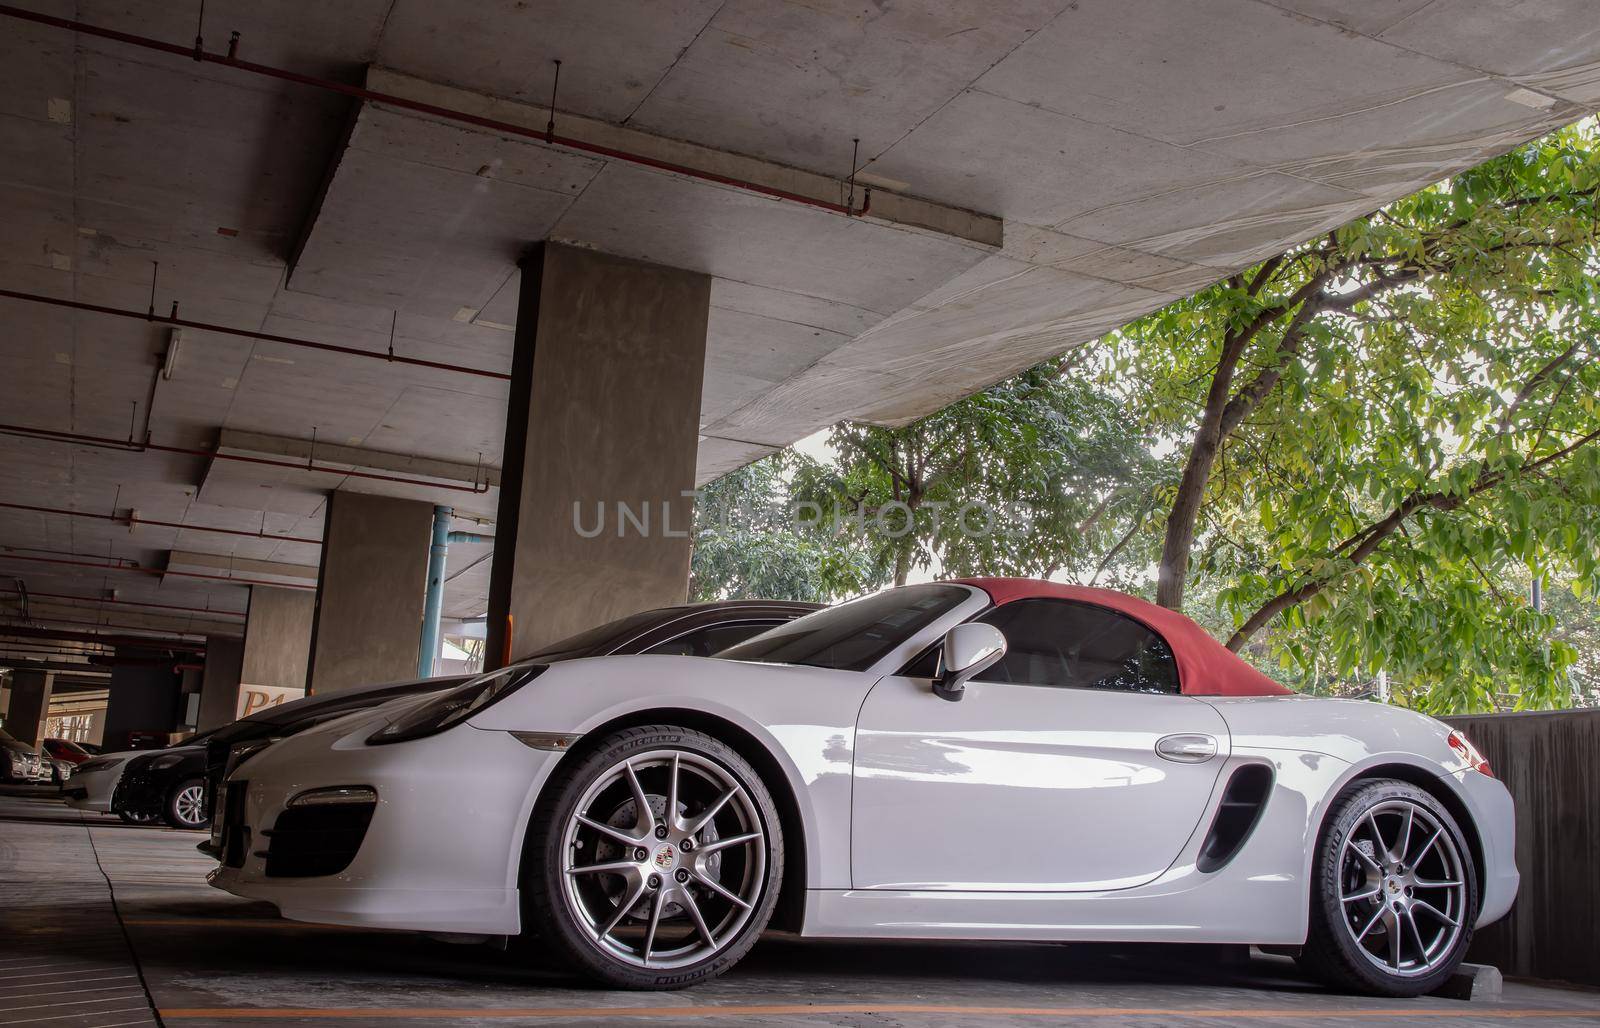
x: 171, y: 811
x: 545, y: 910
x: 1330, y: 951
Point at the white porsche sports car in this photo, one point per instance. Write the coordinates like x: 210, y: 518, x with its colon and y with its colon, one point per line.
x: 1112, y: 773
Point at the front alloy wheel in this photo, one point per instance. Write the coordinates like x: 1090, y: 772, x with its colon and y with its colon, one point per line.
x: 662, y: 858
x: 1398, y: 893
x: 186, y: 805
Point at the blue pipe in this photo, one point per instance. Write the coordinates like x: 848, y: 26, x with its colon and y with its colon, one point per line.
x: 433, y: 603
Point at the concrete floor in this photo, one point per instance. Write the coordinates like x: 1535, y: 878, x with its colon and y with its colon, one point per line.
x: 202, y: 957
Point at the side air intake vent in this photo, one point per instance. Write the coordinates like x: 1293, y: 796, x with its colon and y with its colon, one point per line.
x: 1242, y: 803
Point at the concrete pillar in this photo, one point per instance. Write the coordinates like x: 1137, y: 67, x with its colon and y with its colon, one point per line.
x: 30, y: 702
x: 143, y: 697
x: 367, y: 623
x: 219, y: 683
x: 277, y: 642
x: 604, y: 410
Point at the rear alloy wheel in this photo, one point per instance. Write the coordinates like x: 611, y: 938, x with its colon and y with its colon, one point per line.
x: 186, y: 805
x: 659, y: 857
x: 1395, y: 893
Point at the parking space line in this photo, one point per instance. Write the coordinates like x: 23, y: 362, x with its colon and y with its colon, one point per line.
x: 73, y: 992
x: 62, y: 1017
x: 801, y: 1009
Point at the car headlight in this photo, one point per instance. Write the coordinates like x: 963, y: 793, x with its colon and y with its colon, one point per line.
x: 243, y: 751
x: 19, y: 766
x: 162, y: 763
x: 456, y: 705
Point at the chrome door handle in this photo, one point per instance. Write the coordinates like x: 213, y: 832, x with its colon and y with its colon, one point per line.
x: 1187, y: 749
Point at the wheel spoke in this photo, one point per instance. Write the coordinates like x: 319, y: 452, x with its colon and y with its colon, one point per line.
x: 1435, y: 911
x: 655, y: 919
x: 1377, y: 835
x: 1427, y: 847
x: 611, y: 830
x: 1422, y: 949
x: 613, y: 866
x: 1393, y: 924
x: 671, y: 813
x: 1436, y: 883
x: 1362, y: 895
x: 645, y: 819
x: 722, y: 890
x: 1403, y: 843
x: 710, y: 812
x: 693, y: 906
x: 1377, y: 915
x: 1370, y: 862
x: 623, y: 908
x: 732, y: 840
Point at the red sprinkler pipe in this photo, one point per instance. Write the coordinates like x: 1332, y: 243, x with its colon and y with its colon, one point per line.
x: 135, y: 520
x: 202, y: 326
x: 196, y: 53
x: 109, y: 443
x: 194, y: 628
x: 139, y: 569
x: 125, y: 603
x: 62, y: 635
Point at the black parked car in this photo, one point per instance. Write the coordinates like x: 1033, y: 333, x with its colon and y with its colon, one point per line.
x: 695, y: 629
x: 165, y: 785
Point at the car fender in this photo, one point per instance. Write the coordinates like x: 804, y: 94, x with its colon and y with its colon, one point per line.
x: 804, y: 717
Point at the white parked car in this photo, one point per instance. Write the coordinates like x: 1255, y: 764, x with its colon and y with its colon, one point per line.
x: 1112, y: 773
x: 95, y: 780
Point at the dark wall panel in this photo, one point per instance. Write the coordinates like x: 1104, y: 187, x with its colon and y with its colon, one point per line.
x: 1551, y: 763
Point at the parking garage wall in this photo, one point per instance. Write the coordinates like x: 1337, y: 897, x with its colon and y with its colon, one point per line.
x: 1548, y: 759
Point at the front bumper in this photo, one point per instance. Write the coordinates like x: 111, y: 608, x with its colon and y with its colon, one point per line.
x: 441, y: 852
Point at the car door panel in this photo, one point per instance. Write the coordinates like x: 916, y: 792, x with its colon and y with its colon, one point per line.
x: 1024, y: 788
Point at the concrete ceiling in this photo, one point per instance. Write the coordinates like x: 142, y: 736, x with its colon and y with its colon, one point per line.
x: 1132, y: 151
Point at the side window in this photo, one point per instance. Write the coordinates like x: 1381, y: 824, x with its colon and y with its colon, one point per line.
x: 703, y: 642
x: 1079, y: 646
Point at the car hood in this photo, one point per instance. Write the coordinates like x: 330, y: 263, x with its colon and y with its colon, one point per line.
x: 577, y: 695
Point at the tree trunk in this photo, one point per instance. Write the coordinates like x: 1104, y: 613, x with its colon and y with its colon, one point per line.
x: 1222, y: 415
x: 1174, y: 569
x: 902, y: 565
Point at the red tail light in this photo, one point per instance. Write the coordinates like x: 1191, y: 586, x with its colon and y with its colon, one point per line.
x: 1469, y: 753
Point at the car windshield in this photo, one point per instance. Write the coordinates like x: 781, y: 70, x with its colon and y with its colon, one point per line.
x: 852, y: 636
x: 8, y: 743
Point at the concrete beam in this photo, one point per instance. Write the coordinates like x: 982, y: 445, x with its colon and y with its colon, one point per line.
x: 888, y: 207
x: 241, y: 567
x: 332, y: 458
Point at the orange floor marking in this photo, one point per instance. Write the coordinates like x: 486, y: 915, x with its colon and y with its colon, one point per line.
x: 773, y: 1010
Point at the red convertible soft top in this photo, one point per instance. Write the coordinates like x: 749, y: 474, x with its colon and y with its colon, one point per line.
x: 1205, y: 666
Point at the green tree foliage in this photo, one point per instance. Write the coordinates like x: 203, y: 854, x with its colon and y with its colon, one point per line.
x: 1043, y: 474
x: 747, y: 544
x: 1386, y: 426
x: 1370, y: 446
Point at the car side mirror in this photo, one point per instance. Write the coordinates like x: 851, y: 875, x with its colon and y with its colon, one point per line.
x: 969, y: 650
